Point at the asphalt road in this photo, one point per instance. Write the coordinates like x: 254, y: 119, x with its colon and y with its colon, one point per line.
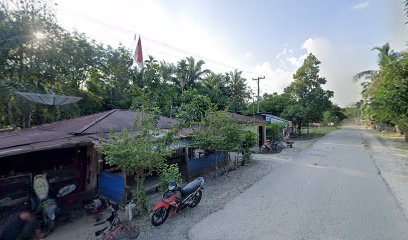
x: 332, y: 190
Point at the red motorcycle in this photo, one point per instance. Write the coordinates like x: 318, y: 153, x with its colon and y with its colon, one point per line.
x: 176, y: 199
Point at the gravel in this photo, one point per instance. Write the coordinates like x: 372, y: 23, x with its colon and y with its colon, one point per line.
x: 218, y: 192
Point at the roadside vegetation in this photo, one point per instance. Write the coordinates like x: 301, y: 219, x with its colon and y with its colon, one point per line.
x: 385, y: 91
x: 321, y: 131
x: 38, y: 55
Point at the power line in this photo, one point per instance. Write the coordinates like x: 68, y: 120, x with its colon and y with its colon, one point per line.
x: 123, y: 30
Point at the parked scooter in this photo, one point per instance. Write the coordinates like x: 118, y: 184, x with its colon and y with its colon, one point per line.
x: 46, y: 207
x: 176, y: 199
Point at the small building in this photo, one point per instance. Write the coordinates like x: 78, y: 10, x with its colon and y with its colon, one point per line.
x: 255, y: 124
x: 269, y: 118
x: 65, y: 152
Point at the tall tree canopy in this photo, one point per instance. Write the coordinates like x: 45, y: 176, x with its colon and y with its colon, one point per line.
x: 310, y: 100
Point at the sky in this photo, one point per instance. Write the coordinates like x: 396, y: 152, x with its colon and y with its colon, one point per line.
x: 268, y: 38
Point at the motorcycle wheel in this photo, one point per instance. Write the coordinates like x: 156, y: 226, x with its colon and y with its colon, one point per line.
x: 47, y: 228
x: 159, y: 216
x: 196, y: 199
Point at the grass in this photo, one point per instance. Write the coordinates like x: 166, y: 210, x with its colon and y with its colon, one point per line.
x: 317, y: 132
x: 394, y: 140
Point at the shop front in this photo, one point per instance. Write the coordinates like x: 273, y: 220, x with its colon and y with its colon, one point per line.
x: 65, y: 170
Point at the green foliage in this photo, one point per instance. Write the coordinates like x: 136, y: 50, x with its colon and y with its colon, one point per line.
x: 333, y: 116
x: 106, y: 77
x: 310, y: 100
x: 139, y: 151
x: 168, y: 173
x: 275, y: 131
x: 248, y: 141
x: 385, y: 98
x: 194, y: 107
x: 218, y: 133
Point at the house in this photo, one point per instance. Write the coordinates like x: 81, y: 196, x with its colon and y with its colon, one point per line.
x: 254, y: 123
x: 269, y: 118
x: 65, y: 152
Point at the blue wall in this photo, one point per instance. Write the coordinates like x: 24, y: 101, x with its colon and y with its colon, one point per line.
x: 200, y: 165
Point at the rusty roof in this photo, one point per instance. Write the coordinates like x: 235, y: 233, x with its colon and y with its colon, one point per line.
x: 85, y: 129
x: 242, y: 118
x: 104, y: 122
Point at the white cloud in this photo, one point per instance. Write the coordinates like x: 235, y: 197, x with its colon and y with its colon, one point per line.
x: 296, y: 61
x: 165, y: 35
x: 320, y: 47
x: 248, y: 54
x: 276, y: 79
x: 338, y: 65
x: 361, y: 5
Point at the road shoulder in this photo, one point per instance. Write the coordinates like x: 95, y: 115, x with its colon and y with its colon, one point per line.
x: 392, y: 162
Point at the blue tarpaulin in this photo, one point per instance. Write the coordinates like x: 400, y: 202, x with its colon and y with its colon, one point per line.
x: 112, y: 186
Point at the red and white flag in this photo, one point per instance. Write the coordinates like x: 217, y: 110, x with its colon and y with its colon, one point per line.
x: 139, y: 53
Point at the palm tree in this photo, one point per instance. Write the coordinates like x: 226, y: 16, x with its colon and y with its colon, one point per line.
x: 168, y: 72
x: 194, y: 71
x: 182, y: 73
x: 384, y: 53
x: 384, y: 57
x: 189, y: 71
x: 237, y: 87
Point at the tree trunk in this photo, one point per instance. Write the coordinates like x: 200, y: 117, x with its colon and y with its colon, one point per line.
x: 10, y: 114
x: 307, y: 127
x: 140, y: 192
x: 29, y: 117
x: 300, y: 129
x: 406, y: 136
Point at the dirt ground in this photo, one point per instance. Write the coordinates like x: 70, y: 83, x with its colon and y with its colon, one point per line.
x: 218, y: 191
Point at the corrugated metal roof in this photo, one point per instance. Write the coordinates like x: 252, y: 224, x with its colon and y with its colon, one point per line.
x: 242, y: 118
x: 104, y: 122
x: 86, y: 129
x: 27, y: 136
x: 272, y: 118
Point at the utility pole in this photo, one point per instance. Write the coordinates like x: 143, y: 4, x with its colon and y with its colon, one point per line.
x: 257, y: 79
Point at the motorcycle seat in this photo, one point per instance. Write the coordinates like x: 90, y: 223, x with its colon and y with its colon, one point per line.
x: 190, y: 187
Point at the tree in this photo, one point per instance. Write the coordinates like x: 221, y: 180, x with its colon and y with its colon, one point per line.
x: 384, y: 57
x: 310, y: 99
x: 237, y: 91
x: 194, y: 107
x: 248, y: 141
x: 189, y: 72
x: 275, y: 103
x: 139, y: 151
x: 385, y: 94
x: 214, y: 86
x: 389, y: 94
x: 333, y: 116
x: 195, y: 71
x: 217, y: 132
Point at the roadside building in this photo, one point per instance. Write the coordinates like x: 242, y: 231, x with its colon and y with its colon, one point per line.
x: 65, y: 152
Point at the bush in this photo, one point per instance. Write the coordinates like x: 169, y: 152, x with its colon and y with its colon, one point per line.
x: 168, y: 173
x: 249, y: 140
